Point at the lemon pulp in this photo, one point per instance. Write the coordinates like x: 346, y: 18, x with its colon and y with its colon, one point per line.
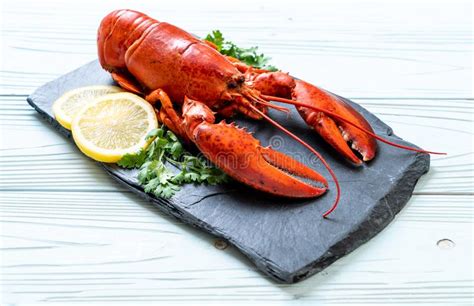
x: 69, y: 104
x: 113, y: 125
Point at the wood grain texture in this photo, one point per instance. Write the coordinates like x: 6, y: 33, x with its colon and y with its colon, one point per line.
x: 64, y: 246
x: 354, y: 48
x: 68, y: 233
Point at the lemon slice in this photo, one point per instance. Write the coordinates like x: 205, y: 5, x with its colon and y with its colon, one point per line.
x: 66, y: 107
x: 113, y: 125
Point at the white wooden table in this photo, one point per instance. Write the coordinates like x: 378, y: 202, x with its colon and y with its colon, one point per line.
x: 70, y: 234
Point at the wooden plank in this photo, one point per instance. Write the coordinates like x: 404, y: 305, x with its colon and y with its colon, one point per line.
x: 36, y: 156
x: 355, y: 48
x: 95, y: 247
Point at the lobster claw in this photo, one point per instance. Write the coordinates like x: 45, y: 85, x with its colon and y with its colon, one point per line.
x: 242, y: 157
x: 333, y: 130
x: 336, y: 132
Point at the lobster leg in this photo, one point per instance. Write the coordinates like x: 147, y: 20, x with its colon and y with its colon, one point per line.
x: 336, y: 132
x: 167, y: 114
x: 242, y: 157
x: 126, y: 82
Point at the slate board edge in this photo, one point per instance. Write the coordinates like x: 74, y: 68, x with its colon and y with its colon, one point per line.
x: 265, y: 265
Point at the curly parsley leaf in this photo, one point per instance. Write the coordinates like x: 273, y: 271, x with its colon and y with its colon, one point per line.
x: 131, y: 161
x: 216, y: 38
x: 155, y: 174
x: 249, y: 56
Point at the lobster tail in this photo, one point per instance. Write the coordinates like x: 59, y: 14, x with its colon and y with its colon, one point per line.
x: 116, y: 33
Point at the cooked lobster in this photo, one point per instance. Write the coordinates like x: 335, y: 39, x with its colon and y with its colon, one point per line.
x: 173, y: 69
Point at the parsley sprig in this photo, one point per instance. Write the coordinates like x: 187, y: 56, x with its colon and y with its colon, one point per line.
x: 155, y: 165
x: 249, y: 56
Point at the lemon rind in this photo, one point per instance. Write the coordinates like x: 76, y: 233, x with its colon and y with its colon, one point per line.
x: 112, y: 155
x: 66, y: 120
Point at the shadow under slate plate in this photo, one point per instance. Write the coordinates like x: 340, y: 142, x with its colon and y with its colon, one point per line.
x: 287, y: 239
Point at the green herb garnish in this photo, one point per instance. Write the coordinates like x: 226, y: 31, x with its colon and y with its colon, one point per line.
x: 247, y: 55
x: 155, y: 170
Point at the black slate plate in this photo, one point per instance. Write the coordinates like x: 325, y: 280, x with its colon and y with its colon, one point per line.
x: 286, y: 239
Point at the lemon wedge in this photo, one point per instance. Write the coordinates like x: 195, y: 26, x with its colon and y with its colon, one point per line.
x: 113, y: 125
x: 66, y: 107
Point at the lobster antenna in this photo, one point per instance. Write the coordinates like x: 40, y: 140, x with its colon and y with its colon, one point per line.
x: 256, y: 98
x: 332, y: 114
x: 276, y: 107
x: 331, y: 172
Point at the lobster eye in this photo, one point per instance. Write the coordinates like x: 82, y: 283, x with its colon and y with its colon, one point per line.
x: 236, y: 82
x: 232, y: 85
